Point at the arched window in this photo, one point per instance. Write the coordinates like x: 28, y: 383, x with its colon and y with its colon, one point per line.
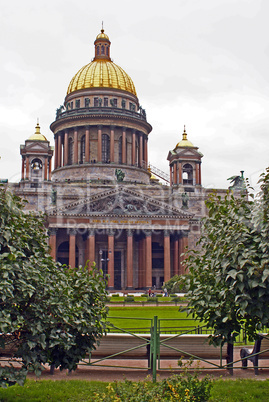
x: 102, y: 49
x: 105, y: 148
x: 187, y: 174
x: 36, y: 164
x: 82, y: 149
x: 136, y: 153
x: 70, y: 151
x: 120, y: 150
x: 98, y: 50
x: 36, y: 170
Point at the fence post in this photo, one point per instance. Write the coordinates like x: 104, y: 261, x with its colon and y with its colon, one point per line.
x: 155, y: 347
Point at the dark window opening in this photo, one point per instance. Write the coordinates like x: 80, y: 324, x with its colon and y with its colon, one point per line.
x: 187, y: 174
x: 105, y: 148
x: 82, y: 149
x: 70, y: 151
x: 120, y: 150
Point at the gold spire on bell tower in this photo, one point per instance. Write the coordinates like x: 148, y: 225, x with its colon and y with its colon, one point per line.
x: 37, y: 136
x: 184, y: 142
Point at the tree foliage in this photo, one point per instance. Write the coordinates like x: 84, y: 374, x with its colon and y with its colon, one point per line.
x: 176, y: 284
x: 49, y: 314
x: 228, y: 286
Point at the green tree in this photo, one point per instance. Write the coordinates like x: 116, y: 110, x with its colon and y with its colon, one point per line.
x: 228, y: 285
x: 176, y: 284
x: 49, y: 314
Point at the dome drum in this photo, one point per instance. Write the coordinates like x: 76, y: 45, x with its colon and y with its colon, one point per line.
x: 101, y: 172
x: 94, y: 146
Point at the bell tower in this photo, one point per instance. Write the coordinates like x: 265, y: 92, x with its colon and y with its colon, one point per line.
x: 185, y: 165
x: 36, y: 156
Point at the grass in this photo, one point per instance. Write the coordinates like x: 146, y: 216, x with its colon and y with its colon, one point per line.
x: 139, y: 318
x: 240, y: 390
x: 48, y: 390
x: 78, y: 391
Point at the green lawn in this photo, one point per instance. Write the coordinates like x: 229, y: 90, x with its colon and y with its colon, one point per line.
x: 78, y: 391
x: 139, y: 317
x: 48, y: 390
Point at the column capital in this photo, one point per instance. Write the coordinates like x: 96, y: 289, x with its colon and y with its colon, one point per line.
x: 91, y: 232
x: 166, y: 232
x: 72, y: 231
x: 100, y: 126
x: 148, y: 232
x: 130, y: 232
x: 110, y: 232
x: 52, y: 231
x: 184, y: 233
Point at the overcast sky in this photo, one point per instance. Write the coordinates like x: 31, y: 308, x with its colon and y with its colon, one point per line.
x: 202, y: 63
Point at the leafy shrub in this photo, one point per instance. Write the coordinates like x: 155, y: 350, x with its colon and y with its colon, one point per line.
x: 152, y: 299
x: 159, y: 295
x: 115, y: 295
x: 56, y: 314
x: 144, y: 295
x: 176, y: 299
x: 173, y: 295
x: 129, y: 298
x: 176, y: 284
x: 183, y: 387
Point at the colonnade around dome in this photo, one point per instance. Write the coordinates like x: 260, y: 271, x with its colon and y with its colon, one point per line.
x: 95, y: 145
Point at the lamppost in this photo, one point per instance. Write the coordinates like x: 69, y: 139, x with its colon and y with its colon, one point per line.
x: 102, y: 260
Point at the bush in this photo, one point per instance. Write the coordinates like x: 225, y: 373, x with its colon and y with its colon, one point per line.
x: 159, y: 295
x: 175, y: 388
x: 115, y: 295
x: 176, y: 284
x: 129, y: 298
x: 144, y: 295
x: 176, y: 299
x: 173, y: 295
x: 152, y: 299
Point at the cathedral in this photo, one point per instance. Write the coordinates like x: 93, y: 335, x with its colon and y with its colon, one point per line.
x: 104, y: 203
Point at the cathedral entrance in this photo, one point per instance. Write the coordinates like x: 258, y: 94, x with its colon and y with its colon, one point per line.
x: 63, y: 253
x: 117, y: 270
x: 117, y: 266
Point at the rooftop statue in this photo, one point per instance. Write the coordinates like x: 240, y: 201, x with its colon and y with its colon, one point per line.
x: 238, y: 182
x: 119, y: 174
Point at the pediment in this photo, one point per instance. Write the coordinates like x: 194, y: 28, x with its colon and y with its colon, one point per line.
x: 189, y: 153
x: 37, y: 146
x: 120, y: 202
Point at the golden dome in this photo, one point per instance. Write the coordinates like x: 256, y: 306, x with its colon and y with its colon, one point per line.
x: 102, y: 35
x: 37, y: 136
x: 184, y: 142
x: 101, y: 72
